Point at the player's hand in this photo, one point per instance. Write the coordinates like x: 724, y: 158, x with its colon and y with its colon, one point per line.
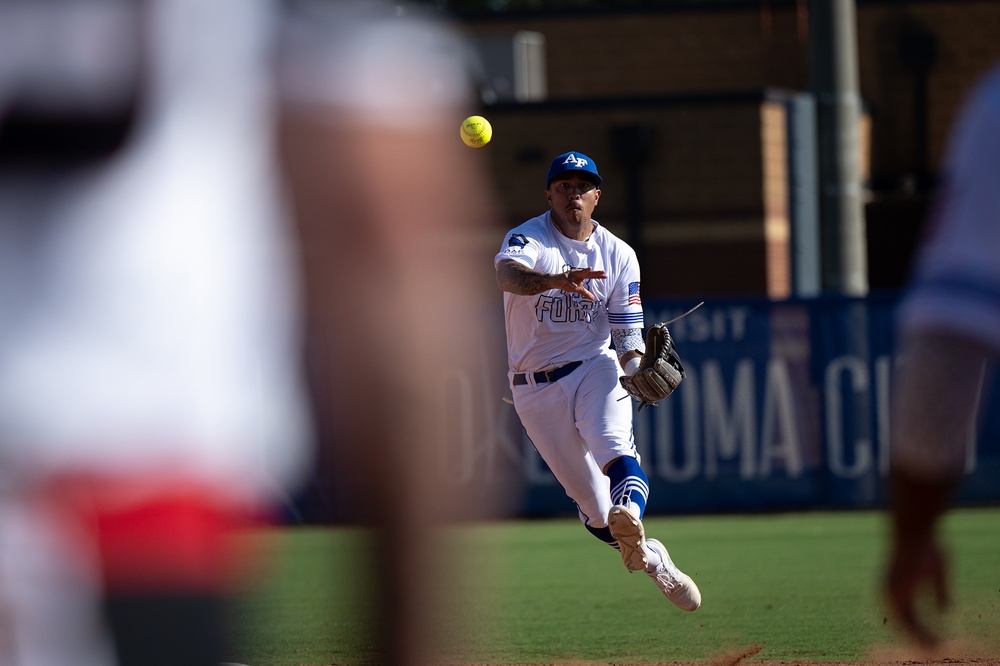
x: 917, y: 567
x: 572, y: 281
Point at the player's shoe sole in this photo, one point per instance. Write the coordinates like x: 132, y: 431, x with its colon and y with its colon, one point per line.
x: 674, y: 583
x: 627, y: 530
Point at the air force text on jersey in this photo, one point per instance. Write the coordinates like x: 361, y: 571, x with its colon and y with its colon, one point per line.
x: 567, y: 308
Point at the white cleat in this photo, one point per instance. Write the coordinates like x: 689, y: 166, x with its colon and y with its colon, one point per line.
x: 674, y: 583
x: 626, y: 528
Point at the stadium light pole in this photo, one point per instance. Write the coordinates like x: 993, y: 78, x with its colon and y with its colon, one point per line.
x: 834, y: 82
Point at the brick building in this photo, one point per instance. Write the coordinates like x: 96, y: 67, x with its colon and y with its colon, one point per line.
x: 688, y: 113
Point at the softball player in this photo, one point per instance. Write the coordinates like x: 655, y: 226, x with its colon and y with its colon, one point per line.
x: 151, y: 314
x: 149, y: 397
x: 949, y: 328
x: 570, y: 288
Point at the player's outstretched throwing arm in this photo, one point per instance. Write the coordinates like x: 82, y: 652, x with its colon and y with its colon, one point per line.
x: 518, y: 279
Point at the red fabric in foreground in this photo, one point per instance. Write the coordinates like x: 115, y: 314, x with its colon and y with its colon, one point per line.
x: 160, y: 533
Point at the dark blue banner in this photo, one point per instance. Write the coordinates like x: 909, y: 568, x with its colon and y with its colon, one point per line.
x: 785, y: 406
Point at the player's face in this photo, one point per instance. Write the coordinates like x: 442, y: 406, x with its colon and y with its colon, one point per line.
x: 573, y: 198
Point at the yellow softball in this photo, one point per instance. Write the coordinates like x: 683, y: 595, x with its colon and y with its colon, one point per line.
x: 476, y: 131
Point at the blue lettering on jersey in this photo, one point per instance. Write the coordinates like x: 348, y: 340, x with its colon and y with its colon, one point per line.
x: 566, y: 308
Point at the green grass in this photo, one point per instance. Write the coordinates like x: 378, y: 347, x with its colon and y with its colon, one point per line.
x: 805, y: 587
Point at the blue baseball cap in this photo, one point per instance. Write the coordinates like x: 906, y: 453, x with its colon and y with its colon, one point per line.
x: 572, y: 162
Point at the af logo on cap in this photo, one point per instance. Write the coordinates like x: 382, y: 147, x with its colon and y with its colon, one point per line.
x: 573, y: 161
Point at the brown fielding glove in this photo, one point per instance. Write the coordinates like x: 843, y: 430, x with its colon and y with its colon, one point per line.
x: 660, y: 370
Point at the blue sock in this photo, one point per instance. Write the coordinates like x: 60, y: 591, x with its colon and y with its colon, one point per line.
x: 629, y: 483
x: 604, y: 534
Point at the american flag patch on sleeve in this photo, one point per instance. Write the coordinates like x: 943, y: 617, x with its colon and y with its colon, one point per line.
x: 633, y: 294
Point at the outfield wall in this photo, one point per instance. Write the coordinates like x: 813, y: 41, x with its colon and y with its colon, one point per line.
x: 785, y: 406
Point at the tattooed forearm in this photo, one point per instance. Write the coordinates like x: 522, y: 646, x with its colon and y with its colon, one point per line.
x: 519, y: 279
x: 627, y: 339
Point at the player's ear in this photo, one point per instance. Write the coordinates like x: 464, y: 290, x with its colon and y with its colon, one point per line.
x: 597, y: 196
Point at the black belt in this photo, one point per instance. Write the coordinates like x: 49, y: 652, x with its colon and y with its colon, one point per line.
x: 547, y: 376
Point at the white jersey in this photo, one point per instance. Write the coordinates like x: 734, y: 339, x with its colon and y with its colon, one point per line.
x: 148, y: 305
x: 553, y: 328
x: 956, y: 285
